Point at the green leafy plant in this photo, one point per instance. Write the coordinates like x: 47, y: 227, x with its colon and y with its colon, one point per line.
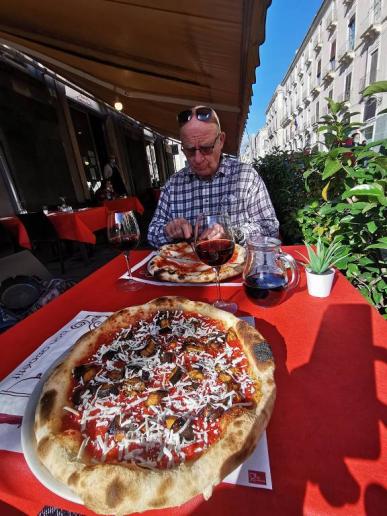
x: 324, y: 256
x: 352, y: 206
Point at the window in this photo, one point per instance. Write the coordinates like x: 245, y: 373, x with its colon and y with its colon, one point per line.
x: 330, y: 94
x: 347, y: 90
x: 317, y: 111
x: 368, y: 133
x: 369, y: 109
x: 318, y: 74
x: 332, y: 59
x: 374, y: 66
x: 351, y: 33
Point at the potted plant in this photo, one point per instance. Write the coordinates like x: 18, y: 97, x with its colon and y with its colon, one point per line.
x: 319, y: 266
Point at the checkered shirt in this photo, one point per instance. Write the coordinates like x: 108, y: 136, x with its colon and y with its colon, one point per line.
x: 236, y: 188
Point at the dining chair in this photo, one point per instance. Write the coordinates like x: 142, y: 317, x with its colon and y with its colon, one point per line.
x: 7, y: 242
x: 41, y: 231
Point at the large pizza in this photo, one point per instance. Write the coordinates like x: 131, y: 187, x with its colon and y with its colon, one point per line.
x: 155, y: 406
x: 179, y: 263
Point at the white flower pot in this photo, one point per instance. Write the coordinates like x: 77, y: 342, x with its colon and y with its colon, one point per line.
x: 319, y: 285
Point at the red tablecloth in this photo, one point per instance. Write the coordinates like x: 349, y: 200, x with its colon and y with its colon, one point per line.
x: 76, y: 225
x: 79, y: 225
x: 327, y: 436
x: 127, y: 203
x: 15, y: 226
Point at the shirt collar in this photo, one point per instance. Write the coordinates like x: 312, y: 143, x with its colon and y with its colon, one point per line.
x: 223, y: 170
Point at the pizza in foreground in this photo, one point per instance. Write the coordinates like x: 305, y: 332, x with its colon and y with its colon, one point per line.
x: 155, y: 406
x: 179, y: 263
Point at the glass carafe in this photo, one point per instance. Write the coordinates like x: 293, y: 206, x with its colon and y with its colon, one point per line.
x: 268, y: 273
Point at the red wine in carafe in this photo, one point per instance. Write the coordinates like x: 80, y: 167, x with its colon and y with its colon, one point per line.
x: 265, y: 289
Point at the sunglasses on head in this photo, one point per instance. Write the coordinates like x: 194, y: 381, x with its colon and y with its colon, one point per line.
x: 203, y: 114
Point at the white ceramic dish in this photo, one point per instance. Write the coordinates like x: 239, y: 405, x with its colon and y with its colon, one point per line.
x: 28, y: 443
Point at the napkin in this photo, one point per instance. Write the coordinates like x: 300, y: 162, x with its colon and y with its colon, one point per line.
x: 17, y: 387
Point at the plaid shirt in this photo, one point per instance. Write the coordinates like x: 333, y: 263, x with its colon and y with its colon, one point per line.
x: 236, y: 188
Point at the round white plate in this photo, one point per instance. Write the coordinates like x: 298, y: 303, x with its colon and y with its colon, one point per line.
x: 28, y: 443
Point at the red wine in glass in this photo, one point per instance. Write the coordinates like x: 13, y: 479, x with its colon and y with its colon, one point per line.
x: 266, y: 289
x: 215, y: 252
x: 214, y: 245
x: 124, y: 233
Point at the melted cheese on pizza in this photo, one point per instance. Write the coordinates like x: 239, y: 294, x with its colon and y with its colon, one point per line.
x: 154, y: 394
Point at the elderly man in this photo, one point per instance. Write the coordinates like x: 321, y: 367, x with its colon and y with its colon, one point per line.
x: 209, y: 183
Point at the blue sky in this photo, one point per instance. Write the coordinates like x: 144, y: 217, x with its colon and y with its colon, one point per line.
x: 286, y: 25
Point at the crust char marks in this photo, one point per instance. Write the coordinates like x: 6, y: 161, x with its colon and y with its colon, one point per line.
x: 115, y: 493
x: 255, y: 346
x: 47, y: 404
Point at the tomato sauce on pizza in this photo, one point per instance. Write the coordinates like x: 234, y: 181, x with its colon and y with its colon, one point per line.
x: 156, y: 393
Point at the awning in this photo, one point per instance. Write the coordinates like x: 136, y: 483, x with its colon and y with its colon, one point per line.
x: 156, y: 56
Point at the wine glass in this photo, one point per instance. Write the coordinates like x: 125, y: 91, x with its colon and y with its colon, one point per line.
x: 214, y: 244
x: 123, y: 233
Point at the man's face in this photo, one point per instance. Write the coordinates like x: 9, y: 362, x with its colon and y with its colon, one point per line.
x: 195, y: 134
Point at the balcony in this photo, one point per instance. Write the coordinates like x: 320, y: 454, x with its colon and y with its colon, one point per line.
x: 300, y: 73
x: 300, y: 107
x: 306, y: 98
x: 308, y: 59
x: 317, y: 44
x: 285, y: 120
x: 331, y: 21
x: 346, y: 53
x: 371, y: 25
x: 329, y: 71
x: 316, y: 88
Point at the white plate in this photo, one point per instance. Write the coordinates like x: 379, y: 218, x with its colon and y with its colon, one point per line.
x: 28, y: 443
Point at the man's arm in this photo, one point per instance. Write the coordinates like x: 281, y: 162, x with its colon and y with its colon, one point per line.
x: 161, y: 217
x: 261, y: 215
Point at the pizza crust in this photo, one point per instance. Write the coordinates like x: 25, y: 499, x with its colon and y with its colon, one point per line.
x: 124, y: 488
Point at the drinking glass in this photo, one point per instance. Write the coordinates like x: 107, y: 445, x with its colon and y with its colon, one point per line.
x: 214, y: 244
x: 123, y: 233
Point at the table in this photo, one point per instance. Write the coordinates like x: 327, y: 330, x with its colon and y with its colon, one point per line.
x: 17, y: 229
x: 125, y: 204
x: 327, y: 441
x: 78, y: 225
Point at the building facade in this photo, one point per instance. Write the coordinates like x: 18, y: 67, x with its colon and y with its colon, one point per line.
x: 344, y: 50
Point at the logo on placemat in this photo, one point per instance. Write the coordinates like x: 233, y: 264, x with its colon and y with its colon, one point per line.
x: 257, y: 477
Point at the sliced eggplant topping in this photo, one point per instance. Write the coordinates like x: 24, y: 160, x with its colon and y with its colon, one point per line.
x: 145, y: 375
x: 85, y: 371
x: 167, y: 357
x: 133, y: 385
x: 150, y: 348
x: 155, y: 398
x: 194, y: 348
x: 114, y: 426
x: 187, y: 433
x: 165, y: 326
x: 106, y: 389
x: 176, y: 375
x: 196, y: 375
x: 132, y: 369
x: 76, y: 397
x: 115, y: 374
x: 211, y: 413
x: 110, y: 355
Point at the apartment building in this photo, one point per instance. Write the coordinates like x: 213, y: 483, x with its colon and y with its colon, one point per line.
x: 344, y: 50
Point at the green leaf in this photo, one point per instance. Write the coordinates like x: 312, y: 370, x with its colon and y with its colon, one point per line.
x: 380, y: 244
x: 331, y: 167
x: 376, y: 87
x: 382, y: 112
x: 372, y: 227
x: 372, y: 189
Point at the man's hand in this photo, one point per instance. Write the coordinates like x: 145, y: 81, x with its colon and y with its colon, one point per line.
x: 178, y: 228
x: 212, y: 233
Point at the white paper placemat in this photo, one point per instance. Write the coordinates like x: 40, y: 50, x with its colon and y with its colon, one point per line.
x: 17, y: 387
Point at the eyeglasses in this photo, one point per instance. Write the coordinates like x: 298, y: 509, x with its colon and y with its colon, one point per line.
x: 203, y: 114
x: 206, y: 150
